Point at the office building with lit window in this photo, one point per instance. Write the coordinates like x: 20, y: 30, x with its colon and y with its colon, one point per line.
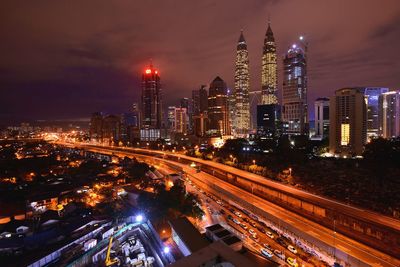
x: 268, y: 120
x: 348, y: 122
x: 218, y: 110
x: 321, y: 120
x: 372, y: 99
x: 389, y: 114
x: 181, y: 120
x: 269, y: 71
x: 294, y: 92
x: 241, y: 103
x: 151, y: 105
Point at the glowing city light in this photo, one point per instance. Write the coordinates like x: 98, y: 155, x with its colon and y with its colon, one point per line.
x: 166, y: 249
x: 148, y: 71
x: 139, y: 218
x: 294, y: 46
x: 301, y: 37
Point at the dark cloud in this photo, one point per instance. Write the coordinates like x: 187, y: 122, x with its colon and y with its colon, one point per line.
x: 65, y: 59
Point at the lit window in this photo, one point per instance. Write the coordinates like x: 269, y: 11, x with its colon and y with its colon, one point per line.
x: 345, y: 130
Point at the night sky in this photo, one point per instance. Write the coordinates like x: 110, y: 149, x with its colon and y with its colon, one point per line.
x: 67, y: 59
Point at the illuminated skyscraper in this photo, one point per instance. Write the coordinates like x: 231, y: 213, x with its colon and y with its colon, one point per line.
x: 372, y: 99
x: 269, y: 72
x: 218, y: 111
x: 389, y: 114
x: 348, y: 122
x: 151, y: 109
x: 294, y: 91
x: 321, y: 111
x: 241, y: 119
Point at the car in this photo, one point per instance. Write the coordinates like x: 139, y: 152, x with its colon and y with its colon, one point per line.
x: 267, y: 246
x: 262, y: 223
x: 269, y: 234
x: 262, y: 230
x: 230, y: 217
x: 279, y: 254
x: 219, y: 202
x: 246, y: 219
x: 253, y: 223
x: 236, y: 221
x: 292, y: 262
x: 255, y: 237
x: 231, y: 210
x: 238, y: 214
x: 244, y: 226
x: 292, y: 249
x: 246, y: 212
x: 266, y: 253
x: 254, y: 217
x: 222, y: 211
x: 251, y: 231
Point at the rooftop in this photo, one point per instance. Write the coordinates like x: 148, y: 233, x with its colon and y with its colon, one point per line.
x: 189, y: 235
x: 212, y: 254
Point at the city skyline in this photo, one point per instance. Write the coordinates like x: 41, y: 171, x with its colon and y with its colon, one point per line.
x: 103, y: 74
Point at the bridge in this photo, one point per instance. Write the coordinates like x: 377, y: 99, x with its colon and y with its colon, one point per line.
x: 352, y: 231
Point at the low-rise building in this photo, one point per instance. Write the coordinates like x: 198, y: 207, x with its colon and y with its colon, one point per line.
x: 186, y: 236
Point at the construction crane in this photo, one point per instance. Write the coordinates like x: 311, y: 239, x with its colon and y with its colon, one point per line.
x: 109, y: 261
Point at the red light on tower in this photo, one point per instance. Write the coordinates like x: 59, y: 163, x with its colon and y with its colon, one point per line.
x: 148, y: 71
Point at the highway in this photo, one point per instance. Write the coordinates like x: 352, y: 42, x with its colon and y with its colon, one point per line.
x: 346, y: 249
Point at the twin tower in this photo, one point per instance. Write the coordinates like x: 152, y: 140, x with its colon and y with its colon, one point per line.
x: 241, y: 120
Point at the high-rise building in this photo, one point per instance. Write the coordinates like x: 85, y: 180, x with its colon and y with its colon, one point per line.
x: 187, y: 103
x: 321, y: 120
x: 294, y: 93
x: 203, y: 98
x: 231, y: 108
x: 269, y: 72
x: 389, y: 114
x: 268, y: 120
x: 218, y: 111
x: 241, y: 112
x: 171, y: 118
x: 196, y: 102
x: 151, y: 109
x: 200, y: 100
x: 348, y: 122
x: 372, y: 99
x: 111, y: 129
x: 201, y: 124
x: 96, y: 127
x: 181, y: 120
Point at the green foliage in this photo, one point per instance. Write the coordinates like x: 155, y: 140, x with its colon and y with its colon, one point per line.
x: 175, y: 200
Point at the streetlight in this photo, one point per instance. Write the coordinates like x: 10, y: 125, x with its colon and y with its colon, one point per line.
x: 290, y: 171
x: 166, y: 250
x: 139, y: 218
x: 254, y: 161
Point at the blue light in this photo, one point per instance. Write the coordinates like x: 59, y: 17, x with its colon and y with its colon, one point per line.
x: 166, y: 250
x: 139, y: 218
